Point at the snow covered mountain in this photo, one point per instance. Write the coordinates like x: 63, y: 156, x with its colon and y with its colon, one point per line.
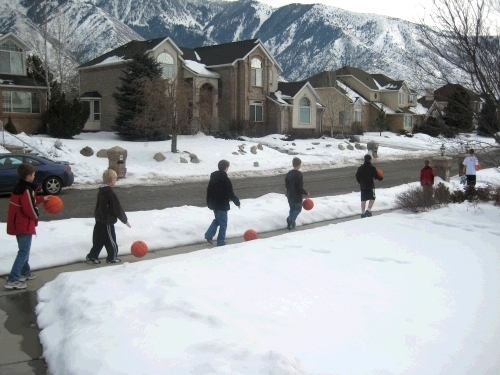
x: 304, y: 39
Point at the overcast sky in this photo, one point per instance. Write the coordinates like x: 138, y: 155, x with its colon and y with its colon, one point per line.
x: 407, y: 10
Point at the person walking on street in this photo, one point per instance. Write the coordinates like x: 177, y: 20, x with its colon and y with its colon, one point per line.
x: 365, y: 176
x: 294, y: 183
x: 470, y: 164
x: 427, y: 179
x: 219, y: 193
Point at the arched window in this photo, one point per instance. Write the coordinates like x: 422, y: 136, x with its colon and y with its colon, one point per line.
x: 167, y: 65
x: 11, y: 58
x: 256, y: 66
x: 305, y: 111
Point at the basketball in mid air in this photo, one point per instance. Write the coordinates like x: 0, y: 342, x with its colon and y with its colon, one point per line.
x: 53, y: 205
x: 307, y: 204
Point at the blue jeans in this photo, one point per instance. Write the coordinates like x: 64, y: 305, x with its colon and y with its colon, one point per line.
x: 221, y: 222
x: 21, y: 266
x: 295, y: 209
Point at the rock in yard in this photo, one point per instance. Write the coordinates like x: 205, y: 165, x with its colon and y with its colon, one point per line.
x: 183, y: 160
x: 159, y: 156
x: 87, y: 151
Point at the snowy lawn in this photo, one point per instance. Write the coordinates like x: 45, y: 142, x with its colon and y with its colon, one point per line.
x: 394, y: 294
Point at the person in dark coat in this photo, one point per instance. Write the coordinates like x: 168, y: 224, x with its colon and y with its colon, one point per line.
x: 294, y: 184
x: 22, y: 220
x: 427, y: 179
x: 108, y: 211
x: 219, y: 193
x: 365, y: 176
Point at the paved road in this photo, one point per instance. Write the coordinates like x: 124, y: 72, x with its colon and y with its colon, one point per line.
x: 80, y: 203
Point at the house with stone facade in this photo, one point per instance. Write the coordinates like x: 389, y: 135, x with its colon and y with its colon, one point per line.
x: 239, y: 79
x: 23, y: 98
x: 354, y: 98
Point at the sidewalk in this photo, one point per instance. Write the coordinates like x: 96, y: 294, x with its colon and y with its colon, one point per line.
x: 21, y: 352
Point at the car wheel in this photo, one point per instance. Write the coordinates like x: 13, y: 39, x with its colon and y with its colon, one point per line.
x: 52, y: 185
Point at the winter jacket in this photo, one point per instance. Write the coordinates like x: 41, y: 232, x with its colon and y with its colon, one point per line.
x: 294, y: 184
x: 108, y: 208
x: 22, y: 217
x: 427, y: 176
x: 365, y: 175
x: 220, y: 191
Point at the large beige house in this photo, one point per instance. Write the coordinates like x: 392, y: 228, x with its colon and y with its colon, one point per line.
x: 23, y: 98
x: 353, y: 97
x: 239, y: 78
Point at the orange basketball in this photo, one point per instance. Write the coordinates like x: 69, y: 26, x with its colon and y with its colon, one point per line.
x: 139, y: 249
x: 380, y: 173
x: 478, y: 166
x: 250, y: 235
x: 308, y: 204
x: 53, y: 205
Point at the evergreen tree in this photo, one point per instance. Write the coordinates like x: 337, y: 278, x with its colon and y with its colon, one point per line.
x: 9, y: 126
x: 131, y: 98
x: 459, y: 114
x: 65, y: 118
x: 382, y: 122
x: 36, y: 71
x: 488, y: 123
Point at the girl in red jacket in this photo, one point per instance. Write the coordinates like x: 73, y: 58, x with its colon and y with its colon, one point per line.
x: 22, y: 220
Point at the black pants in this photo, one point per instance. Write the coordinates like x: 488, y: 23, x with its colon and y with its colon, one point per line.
x: 104, y: 235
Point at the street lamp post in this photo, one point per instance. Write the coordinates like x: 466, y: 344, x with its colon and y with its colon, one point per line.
x: 442, y: 149
x: 3, y: 134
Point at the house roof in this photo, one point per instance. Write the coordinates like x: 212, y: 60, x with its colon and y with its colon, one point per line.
x: 359, y: 74
x: 12, y: 35
x: 10, y: 80
x: 91, y: 94
x: 226, y: 53
x: 125, y: 52
x: 291, y: 88
x: 387, y: 83
x: 443, y: 93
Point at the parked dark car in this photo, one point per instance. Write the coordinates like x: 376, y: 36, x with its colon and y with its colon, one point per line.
x: 50, y: 175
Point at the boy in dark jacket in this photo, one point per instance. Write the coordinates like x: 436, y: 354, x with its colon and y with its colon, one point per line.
x: 219, y: 192
x: 108, y: 211
x: 294, y: 184
x: 427, y: 179
x: 365, y: 177
x: 22, y: 220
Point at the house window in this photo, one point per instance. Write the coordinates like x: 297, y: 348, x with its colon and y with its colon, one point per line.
x: 305, y: 111
x: 94, y: 108
x: 20, y: 102
x: 270, y: 76
x: 401, y: 98
x: 357, y: 115
x: 411, y: 98
x: 166, y: 62
x: 97, y: 110
x: 256, y: 110
x: 11, y: 58
x: 256, y: 66
x: 408, y: 122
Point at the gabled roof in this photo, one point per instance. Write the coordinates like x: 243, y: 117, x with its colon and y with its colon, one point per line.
x: 10, y: 80
x: 91, y: 94
x: 13, y: 36
x: 443, y: 93
x: 387, y: 83
x: 126, y: 51
x: 359, y: 74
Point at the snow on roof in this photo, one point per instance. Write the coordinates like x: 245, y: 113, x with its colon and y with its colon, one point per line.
x: 200, y: 69
x: 7, y: 81
x: 389, y: 86
x: 350, y: 93
x: 386, y: 109
x: 197, y: 56
x: 418, y: 110
x: 281, y: 98
x: 111, y: 60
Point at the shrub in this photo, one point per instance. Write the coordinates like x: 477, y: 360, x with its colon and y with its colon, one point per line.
x: 9, y: 126
x: 414, y: 200
x: 65, y: 118
x: 495, y: 195
x: 357, y: 128
x: 441, y: 194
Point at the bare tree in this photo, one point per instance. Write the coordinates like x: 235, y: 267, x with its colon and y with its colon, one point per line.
x: 464, y: 48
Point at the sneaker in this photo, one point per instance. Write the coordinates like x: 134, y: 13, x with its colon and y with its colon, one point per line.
x: 113, y: 260
x: 15, y: 285
x: 210, y: 241
x: 363, y: 215
x: 95, y: 261
x: 288, y: 224
x: 30, y: 277
x: 368, y: 213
